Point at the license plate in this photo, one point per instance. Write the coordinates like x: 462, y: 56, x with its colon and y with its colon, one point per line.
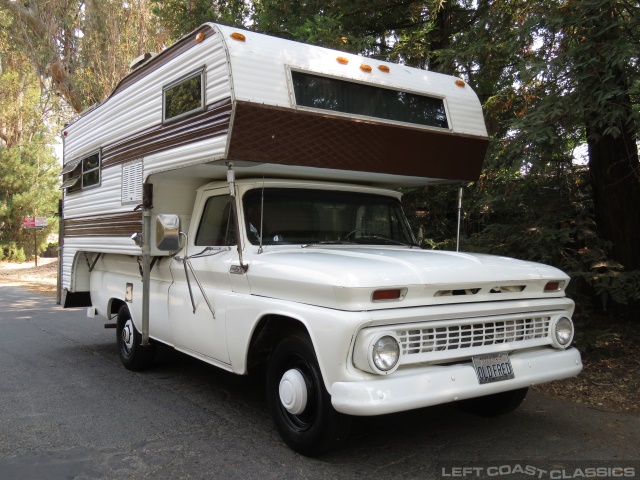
x: 493, y: 367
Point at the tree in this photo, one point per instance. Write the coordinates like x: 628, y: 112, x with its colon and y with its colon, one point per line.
x: 83, y: 47
x: 600, y: 46
x: 28, y: 168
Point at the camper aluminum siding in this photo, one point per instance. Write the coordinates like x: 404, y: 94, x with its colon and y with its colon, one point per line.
x: 250, y: 116
x: 128, y: 128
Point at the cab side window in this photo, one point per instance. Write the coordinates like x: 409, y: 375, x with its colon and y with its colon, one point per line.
x: 217, y: 226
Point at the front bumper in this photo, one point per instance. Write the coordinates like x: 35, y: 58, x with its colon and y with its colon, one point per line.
x: 432, y: 385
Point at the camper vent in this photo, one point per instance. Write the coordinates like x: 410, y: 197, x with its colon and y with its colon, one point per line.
x: 132, y: 183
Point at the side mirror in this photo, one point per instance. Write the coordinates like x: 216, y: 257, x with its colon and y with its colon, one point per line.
x: 168, y: 233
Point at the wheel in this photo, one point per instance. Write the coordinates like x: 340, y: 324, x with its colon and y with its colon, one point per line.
x: 496, y: 404
x: 298, y: 401
x: 132, y: 355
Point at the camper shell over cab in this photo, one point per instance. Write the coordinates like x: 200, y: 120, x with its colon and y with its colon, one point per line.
x: 231, y: 199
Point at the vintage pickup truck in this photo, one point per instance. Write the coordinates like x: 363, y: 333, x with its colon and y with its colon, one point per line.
x: 231, y: 199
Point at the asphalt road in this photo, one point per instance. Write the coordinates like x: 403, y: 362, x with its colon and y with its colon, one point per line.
x: 68, y: 409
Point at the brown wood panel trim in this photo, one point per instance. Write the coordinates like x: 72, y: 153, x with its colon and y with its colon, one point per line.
x: 109, y: 224
x: 292, y: 137
x: 178, y: 48
x: 211, y: 123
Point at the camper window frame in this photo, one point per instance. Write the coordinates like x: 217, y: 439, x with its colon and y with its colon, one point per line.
x: 344, y: 78
x: 79, y: 172
x: 201, y: 72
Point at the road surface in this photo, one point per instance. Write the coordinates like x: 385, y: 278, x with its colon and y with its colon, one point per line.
x: 68, y: 409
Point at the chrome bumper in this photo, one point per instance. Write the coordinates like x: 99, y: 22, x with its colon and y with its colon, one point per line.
x: 432, y: 385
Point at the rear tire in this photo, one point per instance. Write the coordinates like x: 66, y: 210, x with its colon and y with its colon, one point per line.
x: 132, y: 355
x: 298, y: 401
x: 496, y: 404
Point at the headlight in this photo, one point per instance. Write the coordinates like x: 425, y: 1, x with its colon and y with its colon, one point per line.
x: 562, y: 332
x: 385, y: 353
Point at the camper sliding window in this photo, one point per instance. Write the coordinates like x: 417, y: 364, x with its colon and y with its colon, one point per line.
x: 183, y: 97
x: 82, y: 173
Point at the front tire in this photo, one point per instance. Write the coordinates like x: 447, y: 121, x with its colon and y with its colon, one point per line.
x: 132, y: 355
x: 496, y: 404
x: 298, y: 401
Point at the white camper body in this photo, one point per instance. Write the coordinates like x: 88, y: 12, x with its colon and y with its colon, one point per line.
x: 230, y: 199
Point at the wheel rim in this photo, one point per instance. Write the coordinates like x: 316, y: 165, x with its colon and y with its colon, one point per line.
x: 306, y: 416
x: 127, y: 337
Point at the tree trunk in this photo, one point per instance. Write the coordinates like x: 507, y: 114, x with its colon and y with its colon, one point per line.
x: 441, y: 39
x: 615, y: 174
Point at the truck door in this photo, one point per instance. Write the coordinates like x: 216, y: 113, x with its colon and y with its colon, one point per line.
x: 211, y: 249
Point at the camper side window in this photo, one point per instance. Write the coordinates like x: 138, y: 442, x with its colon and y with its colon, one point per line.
x: 82, y: 173
x: 183, y: 97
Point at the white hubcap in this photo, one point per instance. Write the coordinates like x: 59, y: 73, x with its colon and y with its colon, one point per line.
x: 293, y: 392
x: 127, y: 335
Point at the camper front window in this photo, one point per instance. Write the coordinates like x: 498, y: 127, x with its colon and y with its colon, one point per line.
x: 326, y: 93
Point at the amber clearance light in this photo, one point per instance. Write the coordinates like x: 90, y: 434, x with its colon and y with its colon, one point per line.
x: 238, y: 36
x: 384, y: 68
x: 342, y: 60
x: 365, y: 68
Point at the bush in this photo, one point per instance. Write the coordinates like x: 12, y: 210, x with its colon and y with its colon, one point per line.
x: 51, y: 251
x: 16, y: 254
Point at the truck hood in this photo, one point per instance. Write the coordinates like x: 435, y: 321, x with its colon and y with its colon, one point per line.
x: 345, y: 277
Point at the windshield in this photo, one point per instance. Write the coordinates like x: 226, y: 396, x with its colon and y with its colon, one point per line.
x: 305, y: 216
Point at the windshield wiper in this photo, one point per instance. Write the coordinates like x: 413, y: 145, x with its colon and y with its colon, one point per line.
x: 387, y: 239
x: 328, y: 242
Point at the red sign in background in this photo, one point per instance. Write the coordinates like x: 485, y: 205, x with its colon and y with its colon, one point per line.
x: 34, y: 222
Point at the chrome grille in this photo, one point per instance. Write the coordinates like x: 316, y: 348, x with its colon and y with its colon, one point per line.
x: 469, y: 335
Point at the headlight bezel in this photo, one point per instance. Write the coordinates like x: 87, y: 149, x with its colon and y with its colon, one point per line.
x: 562, y: 322
x: 371, y: 353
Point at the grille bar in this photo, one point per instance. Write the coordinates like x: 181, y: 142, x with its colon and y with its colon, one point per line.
x: 477, y: 334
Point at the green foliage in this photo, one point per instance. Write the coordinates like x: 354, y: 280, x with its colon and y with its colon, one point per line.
x: 546, y: 218
x: 180, y: 17
x: 12, y: 253
x: 28, y: 169
x: 28, y: 187
x: 17, y: 255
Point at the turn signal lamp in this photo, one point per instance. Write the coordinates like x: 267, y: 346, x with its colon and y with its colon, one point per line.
x: 342, y: 60
x: 238, y: 36
x: 390, y: 294
x: 554, y: 286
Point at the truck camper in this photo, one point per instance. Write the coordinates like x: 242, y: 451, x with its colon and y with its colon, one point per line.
x: 235, y: 198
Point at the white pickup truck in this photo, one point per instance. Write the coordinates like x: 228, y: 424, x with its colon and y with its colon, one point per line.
x: 249, y: 225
